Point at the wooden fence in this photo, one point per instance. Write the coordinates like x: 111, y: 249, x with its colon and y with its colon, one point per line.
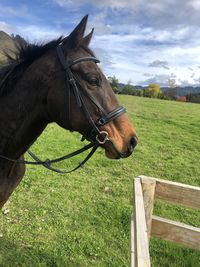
x: 144, y: 224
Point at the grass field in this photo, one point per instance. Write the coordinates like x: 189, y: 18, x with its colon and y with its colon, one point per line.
x: 83, y: 219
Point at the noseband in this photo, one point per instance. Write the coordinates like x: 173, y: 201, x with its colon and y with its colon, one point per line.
x: 95, y: 135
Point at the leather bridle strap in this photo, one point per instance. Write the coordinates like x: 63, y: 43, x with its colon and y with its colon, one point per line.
x: 47, y: 163
x: 73, y: 82
x: 110, y: 116
x: 68, y: 64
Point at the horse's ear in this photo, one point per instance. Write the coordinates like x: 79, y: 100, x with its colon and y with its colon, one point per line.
x: 77, y: 34
x: 86, y: 40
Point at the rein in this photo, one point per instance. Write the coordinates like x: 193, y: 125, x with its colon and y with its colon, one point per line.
x: 47, y: 163
x: 96, y: 136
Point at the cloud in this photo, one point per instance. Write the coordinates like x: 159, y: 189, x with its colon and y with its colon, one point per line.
x: 100, y: 4
x: 7, y: 27
x: 195, y: 4
x: 159, y: 14
x: 98, y: 22
x: 106, y: 59
x: 145, y: 41
x: 148, y: 74
x: 131, y: 61
x: 20, y: 11
x: 34, y: 33
x: 184, y: 82
x: 181, y: 78
x: 159, y: 64
x: 31, y: 33
x: 162, y: 79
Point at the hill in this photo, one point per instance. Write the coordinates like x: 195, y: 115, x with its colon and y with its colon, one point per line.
x: 6, y: 44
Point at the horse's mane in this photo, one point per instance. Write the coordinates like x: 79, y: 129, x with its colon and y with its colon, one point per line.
x: 25, y: 55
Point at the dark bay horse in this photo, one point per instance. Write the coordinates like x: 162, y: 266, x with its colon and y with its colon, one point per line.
x: 57, y: 82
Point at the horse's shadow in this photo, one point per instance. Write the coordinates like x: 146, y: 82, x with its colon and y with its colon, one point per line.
x: 15, y: 253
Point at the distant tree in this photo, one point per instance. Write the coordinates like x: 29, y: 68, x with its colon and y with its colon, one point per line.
x: 195, y: 98
x: 172, y: 91
x: 128, y: 89
x: 139, y: 92
x: 163, y: 95
x: 154, y: 90
x: 114, y: 83
x: 146, y: 92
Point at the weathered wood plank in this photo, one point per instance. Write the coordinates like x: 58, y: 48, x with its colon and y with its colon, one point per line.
x: 132, y: 242
x: 148, y: 188
x: 178, y: 193
x: 177, y: 232
x: 142, y: 258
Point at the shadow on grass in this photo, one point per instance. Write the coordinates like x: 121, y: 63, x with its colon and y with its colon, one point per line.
x: 18, y: 254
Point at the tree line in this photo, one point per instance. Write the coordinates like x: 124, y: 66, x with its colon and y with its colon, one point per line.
x: 152, y: 91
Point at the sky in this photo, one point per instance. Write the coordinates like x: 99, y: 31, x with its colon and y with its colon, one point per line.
x: 138, y: 41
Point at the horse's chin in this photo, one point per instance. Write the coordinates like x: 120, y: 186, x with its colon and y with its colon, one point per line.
x: 112, y: 152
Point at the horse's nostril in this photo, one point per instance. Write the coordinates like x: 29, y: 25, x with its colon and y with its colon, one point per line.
x: 133, y: 143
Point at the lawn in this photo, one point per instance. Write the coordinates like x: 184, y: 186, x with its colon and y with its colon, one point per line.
x: 83, y: 219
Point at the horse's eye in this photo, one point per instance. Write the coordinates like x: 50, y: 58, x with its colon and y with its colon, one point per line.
x: 94, y: 81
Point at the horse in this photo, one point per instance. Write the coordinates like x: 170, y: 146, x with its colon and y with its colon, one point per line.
x: 59, y: 81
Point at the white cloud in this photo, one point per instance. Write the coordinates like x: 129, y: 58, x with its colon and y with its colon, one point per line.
x: 7, y: 27
x: 128, y: 35
x: 21, y: 11
x: 161, y: 79
x: 182, y: 77
x: 99, y: 23
x: 195, y: 4
x: 34, y: 33
x: 31, y: 33
x: 160, y: 14
x: 103, y: 3
x: 159, y: 64
x: 116, y: 3
x: 131, y: 61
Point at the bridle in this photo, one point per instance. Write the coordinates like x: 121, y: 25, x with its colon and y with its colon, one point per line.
x: 79, y: 92
x: 95, y: 135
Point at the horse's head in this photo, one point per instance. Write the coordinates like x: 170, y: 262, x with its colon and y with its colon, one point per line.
x: 81, y: 99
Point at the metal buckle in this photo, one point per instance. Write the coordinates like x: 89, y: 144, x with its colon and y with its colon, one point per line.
x: 101, y: 122
x: 104, y: 135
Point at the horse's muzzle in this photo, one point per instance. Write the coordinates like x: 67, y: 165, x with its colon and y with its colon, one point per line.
x: 113, y: 153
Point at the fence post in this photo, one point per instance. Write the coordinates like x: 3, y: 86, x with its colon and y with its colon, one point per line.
x: 148, y: 188
x: 141, y: 244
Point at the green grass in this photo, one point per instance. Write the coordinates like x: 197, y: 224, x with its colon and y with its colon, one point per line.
x: 71, y: 220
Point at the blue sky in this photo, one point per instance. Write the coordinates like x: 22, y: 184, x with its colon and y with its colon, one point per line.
x: 139, y: 41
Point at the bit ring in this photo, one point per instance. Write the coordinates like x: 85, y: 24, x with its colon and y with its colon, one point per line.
x: 104, y: 135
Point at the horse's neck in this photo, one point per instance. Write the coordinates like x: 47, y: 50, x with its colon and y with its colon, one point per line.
x: 21, y: 122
